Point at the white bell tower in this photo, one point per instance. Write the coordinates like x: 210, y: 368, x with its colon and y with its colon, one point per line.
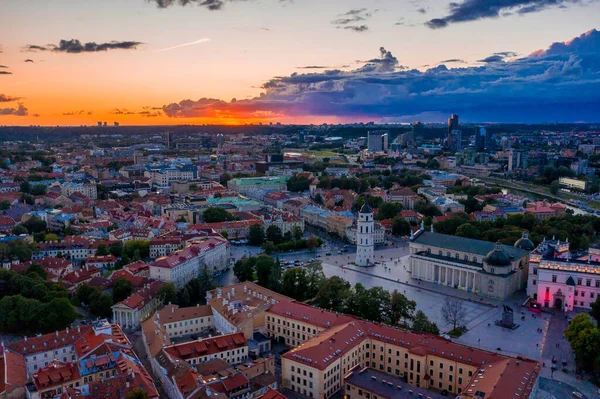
x: 365, y: 243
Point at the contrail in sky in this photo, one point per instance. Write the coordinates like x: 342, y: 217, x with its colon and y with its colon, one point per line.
x: 204, y: 40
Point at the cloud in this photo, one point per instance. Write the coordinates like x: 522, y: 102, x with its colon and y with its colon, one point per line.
x: 5, y: 73
x: 452, y: 61
x: 421, y: 10
x: 312, y: 67
x: 498, y: 57
x: 3, y: 66
x: 150, y: 114
x: 77, y: 113
x: 204, y: 40
x: 212, y: 5
x: 561, y: 82
x: 473, y: 10
x: 74, y: 46
x: 29, y: 60
x: 349, y: 20
x: 21, y: 110
x: 118, y: 111
x: 7, y: 99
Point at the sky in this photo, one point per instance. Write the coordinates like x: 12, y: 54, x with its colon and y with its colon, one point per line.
x: 150, y: 62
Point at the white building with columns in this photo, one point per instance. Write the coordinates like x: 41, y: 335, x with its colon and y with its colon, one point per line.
x: 484, y: 268
x: 139, y: 306
x: 365, y: 230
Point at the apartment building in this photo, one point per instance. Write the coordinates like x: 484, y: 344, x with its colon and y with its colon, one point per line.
x: 182, y: 322
x: 232, y: 348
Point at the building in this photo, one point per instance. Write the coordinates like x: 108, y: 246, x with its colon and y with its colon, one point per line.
x: 480, y: 139
x: 364, y: 382
x: 573, y: 184
x: 232, y: 348
x: 405, y: 196
x: 184, y: 322
x: 179, y: 268
x: 132, y: 311
x: 378, y: 141
x: 563, y: 279
x: 87, y: 188
x: 242, y: 307
x: 365, y: 245
x: 318, y: 368
x: 481, y: 267
x: 516, y: 160
x: 247, y: 184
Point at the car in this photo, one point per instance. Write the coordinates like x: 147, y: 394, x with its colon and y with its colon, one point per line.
x: 344, y: 250
x: 339, y: 252
x: 317, y: 255
x: 327, y: 253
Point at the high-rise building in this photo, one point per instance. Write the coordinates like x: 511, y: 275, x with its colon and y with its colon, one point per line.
x: 452, y: 125
x: 365, y: 228
x: 480, y: 139
x: 378, y: 141
x: 455, y: 141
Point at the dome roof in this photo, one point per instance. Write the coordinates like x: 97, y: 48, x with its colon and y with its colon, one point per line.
x: 366, y: 208
x: 525, y: 243
x: 497, y: 257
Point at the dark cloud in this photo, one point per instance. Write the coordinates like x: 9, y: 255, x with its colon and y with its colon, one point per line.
x: 498, y: 57
x: 212, y: 5
x: 357, y: 28
x: 77, y: 113
x: 559, y: 83
x: 5, y: 73
x: 7, y: 99
x: 150, y: 114
x: 29, y: 60
x: 118, y: 111
x: 472, y: 10
x: 453, y: 61
x: 350, y: 20
x: 74, y: 46
x: 312, y: 67
x: 421, y: 10
x: 21, y: 110
x: 3, y: 66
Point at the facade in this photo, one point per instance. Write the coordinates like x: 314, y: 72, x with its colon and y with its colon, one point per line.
x: 183, y: 322
x: 139, y: 306
x: 378, y: 141
x: 87, y: 188
x: 179, y: 267
x: 576, y: 184
x: 405, y: 196
x: 365, y: 245
x: 562, y: 279
x: 481, y: 267
x: 247, y: 184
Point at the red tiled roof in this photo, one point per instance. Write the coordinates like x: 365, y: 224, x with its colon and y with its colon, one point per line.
x: 235, y: 381
x: 308, y: 314
x: 56, y: 373
x: 210, y: 346
x: 141, y: 298
x: 176, y: 258
x: 271, y: 394
x: 49, y: 341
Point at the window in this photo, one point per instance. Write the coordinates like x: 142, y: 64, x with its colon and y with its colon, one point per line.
x: 460, y: 380
x: 534, y: 282
x: 460, y: 370
x: 554, y: 278
x: 451, y: 368
x: 579, y: 281
x: 440, y: 253
x: 535, y: 271
x: 597, y: 283
x: 588, y: 282
x: 466, y: 258
x: 547, y: 290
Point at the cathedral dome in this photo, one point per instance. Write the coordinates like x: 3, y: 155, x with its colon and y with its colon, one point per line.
x: 525, y: 243
x: 366, y: 208
x: 497, y: 257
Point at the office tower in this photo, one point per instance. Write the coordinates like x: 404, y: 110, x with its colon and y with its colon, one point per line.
x: 452, y: 125
x: 455, y: 142
x: 220, y: 140
x: 490, y: 141
x: 480, y: 139
x: 168, y: 139
x: 378, y: 141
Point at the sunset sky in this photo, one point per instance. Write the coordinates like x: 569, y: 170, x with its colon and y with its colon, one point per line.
x: 73, y: 62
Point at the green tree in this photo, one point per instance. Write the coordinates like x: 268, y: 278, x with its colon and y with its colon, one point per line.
x: 423, y: 324
x: 4, y: 205
x: 121, y: 289
x: 216, y: 214
x: 313, y: 242
x: 38, y: 189
x: 116, y: 249
x: 298, y: 184
x: 20, y: 229
x: 244, y: 269
x: 167, y: 293
x: 554, y: 187
x: 297, y: 233
x: 137, y: 393
x: 143, y: 246
x: 295, y: 284
x: 388, y: 210
x: 224, y: 178
x: 400, y: 226
x: 274, y: 234
x: 402, y: 308
x: 34, y: 225
x: 584, y: 338
x: 333, y: 294
x: 101, y: 305
x: 595, y: 312
x: 315, y: 275
x: 25, y: 187
x: 36, y: 269
x: 51, y: 237
x: 136, y: 256
x: 467, y: 230
x: 225, y: 234
x: 264, y: 267
x: 256, y: 235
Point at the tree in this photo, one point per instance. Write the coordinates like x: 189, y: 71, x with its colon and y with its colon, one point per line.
x: 274, y: 234
x: 51, y: 237
x: 423, y: 324
x: 318, y: 199
x: 137, y: 393
x: 400, y: 226
x: 35, y: 225
x: 467, y: 230
x: 298, y: 184
x: 116, y: 249
x: 167, y: 293
x: 453, y: 311
x: 584, y: 338
x: 4, y: 205
x: 333, y: 294
x: 20, y: 229
x: 225, y: 234
x: 244, y: 269
x: 315, y: 275
x: 216, y: 214
x: 101, y: 305
x: 295, y: 283
x: 595, y: 312
x: 225, y: 177
x: 143, y: 246
x: 264, y: 267
x: 38, y: 189
x: 401, y: 308
x: 256, y: 235
x: 136, y: 256
x: 37, y: 270
x: 25, y: 187
x: 102, y: 250
x: 121, y: 289
x: 554, y: 187
x: 388, y: 210
x: 313, y: 242
x: 297, y: 233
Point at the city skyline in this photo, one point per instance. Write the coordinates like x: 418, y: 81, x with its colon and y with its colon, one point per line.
x: 233, y: 62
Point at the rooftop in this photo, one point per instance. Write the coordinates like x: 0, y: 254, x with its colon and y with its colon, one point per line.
x: 387, y: 386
